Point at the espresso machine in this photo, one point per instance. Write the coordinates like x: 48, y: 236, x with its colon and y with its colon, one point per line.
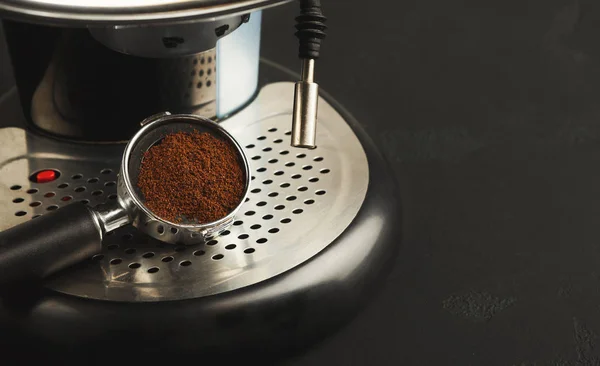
x: 308, y: 248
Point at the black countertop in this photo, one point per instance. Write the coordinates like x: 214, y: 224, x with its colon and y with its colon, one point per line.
x: 488, y: 112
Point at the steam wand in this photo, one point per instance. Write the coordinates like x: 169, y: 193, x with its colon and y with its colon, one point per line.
x: 310, y: 31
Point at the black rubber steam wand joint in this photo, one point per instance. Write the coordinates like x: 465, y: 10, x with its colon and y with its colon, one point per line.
x: 310, y: 32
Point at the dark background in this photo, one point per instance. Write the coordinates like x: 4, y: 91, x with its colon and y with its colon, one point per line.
x: 488, y: 112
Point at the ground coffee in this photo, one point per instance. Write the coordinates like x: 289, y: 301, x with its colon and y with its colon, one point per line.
x: 191, y: 177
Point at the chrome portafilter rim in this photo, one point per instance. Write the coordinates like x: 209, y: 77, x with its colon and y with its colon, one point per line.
x: 154, y: 129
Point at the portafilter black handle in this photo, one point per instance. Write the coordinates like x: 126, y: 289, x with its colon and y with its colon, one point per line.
x: 40, y: 247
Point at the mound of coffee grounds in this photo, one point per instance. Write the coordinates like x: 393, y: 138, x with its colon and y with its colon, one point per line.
x: 191, y: 177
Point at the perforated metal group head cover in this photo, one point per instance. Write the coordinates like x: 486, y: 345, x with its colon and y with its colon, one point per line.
x: 155, y: 129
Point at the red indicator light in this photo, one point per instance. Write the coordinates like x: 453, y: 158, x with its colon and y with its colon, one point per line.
x: 45, y: 176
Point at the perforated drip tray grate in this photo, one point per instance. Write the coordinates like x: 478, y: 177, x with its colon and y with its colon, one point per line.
x: 300, y: 201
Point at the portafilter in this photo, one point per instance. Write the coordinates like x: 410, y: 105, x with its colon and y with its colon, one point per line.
x: 37, y: 248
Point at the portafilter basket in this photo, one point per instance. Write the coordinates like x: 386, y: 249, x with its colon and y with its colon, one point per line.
x: 37, y: 248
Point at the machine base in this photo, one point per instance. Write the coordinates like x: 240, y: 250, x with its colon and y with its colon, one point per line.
x: 279, y: 309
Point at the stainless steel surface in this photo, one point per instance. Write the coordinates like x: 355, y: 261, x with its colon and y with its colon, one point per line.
x: 306, y: 108
x: 300, y: 202
x: 186, y: 84
x: 171, y: 40
x: 86, y: 12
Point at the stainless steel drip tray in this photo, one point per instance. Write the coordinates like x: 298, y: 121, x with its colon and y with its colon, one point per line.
x: 300, y: 202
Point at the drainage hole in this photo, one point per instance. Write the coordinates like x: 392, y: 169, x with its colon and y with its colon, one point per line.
x: 313, y: 180
x: 110, y: 184
x: 288, y: 132
x: 309, y: 202
x: 260, y: 138
x: 32, y: 191
x: 298, y: 211
x: 79, y: 189
x: 15, y: 188
x: 291, y: 198
x: 153, y: 270
x: 112, y: 196
x: 301, y: 156
x: 278, y: 141
x: 238, y: 223
x: 20, y: 213
x: 255, y: 190
x: 274, y: 230
x: 174, y: 230
x: 256, y: 157
x: 267, y: 149
x: 243, y: 236
x: 267, y: 217
x: 66, y: 198
x: 320, y: 192
x: 230, y: 246
x: 35, y: 204
x: 85, y: 202
x: 185, y: 263
x: 261, y: 170
x: 286, y: 221
x: 116, y: 261
x: 105, y: 171
x: 291, y: 163
x: 212, y: 242
x: 249, y: 146
x: 112, y: 246
x: 129, y: 251
x: 296, y: 176
x: 261, y: 241
x: 52, y: 208
x: 134, y: 265
x: 36, y: 216
x: 307, y: 167
x: 284, y: 152
x: 318, y: 158
x: 93, y: 180
x: 76, y: 176
x: 18, y: 200
x: 261, y: 203
x: 160, y: 229
x: 148, y: 255
x: 255, y: 227
x: 63, y: 185
x: 273, y: 161
x: 218, y: 257
x: 98, y: 257
x: 279, y: 172
x: 225, y: 233
x: 167, y: 259
x: 279, y: 207
x: 268, y: 181
x: 272, y: 129
x: 249, y: 213
x: 249, y: 250
x: 302, y: 189
x: 325, y: 171
x: 97, y: 193
x: 284, y: 185
x: 273, y: 194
